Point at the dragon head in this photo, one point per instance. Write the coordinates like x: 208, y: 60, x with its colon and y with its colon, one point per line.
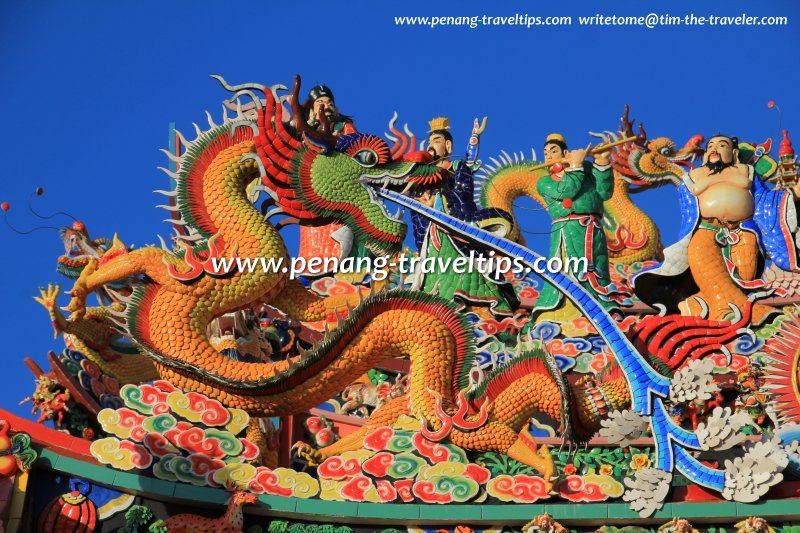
x: 658, y: 161
x: 339, y: 183
x: 644, y: 162
x: 79, y: 248
x: 316, y: 177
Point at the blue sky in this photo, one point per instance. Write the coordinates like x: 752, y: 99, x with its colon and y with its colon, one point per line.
x: 90, y: 87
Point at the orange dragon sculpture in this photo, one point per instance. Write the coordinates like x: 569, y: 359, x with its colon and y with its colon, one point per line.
x: 313, y: 177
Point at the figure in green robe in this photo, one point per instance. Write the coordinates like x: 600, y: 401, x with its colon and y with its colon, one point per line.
x: 575, y: 197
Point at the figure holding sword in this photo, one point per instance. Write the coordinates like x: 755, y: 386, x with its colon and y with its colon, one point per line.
x: 480, y: 289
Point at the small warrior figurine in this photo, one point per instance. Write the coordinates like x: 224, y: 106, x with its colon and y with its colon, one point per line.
x: 320, y: 100
x: 330, y: 240
x: 476, y: 287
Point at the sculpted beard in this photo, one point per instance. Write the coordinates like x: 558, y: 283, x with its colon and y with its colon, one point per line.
x: 437, y: 156
x: 719, y: 165
x: 330, y: 110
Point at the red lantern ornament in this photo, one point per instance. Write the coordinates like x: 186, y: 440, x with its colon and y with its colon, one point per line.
x: 8, y: 465
x: 73, y: 511
x: 786, y: 149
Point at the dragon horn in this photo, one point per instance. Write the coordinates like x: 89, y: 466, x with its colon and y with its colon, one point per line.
x: 116, y: 242
x: 627, y: 124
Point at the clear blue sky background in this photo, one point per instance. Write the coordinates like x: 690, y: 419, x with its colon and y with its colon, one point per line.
x: 89, y: 88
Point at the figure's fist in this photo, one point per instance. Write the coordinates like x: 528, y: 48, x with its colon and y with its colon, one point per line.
x: 603, y: 158
x: 427, y: 198
x: 705, y: 158
x: 577, y: 157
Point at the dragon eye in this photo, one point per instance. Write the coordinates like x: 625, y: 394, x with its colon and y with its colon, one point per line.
x: 666, y: 150
x: 366, y: 157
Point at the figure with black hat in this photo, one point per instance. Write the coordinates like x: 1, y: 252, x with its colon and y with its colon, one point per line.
x: 331, y: 240
x: 320, y: 100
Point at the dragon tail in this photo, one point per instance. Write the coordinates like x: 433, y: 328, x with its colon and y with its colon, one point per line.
x: 537, y: 368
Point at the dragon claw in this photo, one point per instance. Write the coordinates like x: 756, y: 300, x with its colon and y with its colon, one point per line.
x: 47, y: 297
x: 303, y: 450
x: 550, y: 485
x: 77, y: 307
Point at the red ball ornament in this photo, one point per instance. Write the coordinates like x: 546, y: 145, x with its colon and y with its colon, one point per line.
x: 558, y: 167
x: 39, y: 191
x: 566, y: 202
x: 325, y: 437
x: 771, y: 104
x: 5, y: 206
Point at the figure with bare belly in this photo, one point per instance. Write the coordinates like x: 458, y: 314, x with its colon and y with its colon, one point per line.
x: 731, y: 221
